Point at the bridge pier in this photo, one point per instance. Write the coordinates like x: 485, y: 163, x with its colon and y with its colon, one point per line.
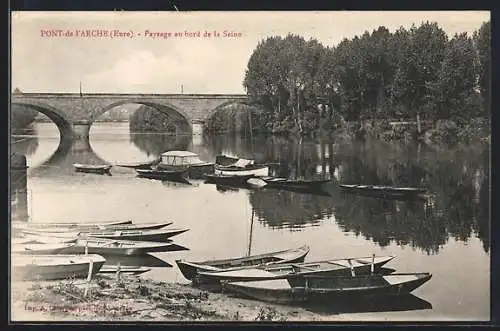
x: 81, y: 130
x: 197, y: 127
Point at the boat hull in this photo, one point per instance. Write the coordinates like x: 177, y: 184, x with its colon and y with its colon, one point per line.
x: 194, y: 171
x: 238, y: 180
x: 131, y: 250
x: 298, y: 292
x: 330, y: 268
x: 78, y: 269
x: 160, y: 236
x: 161, y: 174
x: 260, y: 171
x: 296, y: 185
x: 190, y: 270
x: 93, y: 170
x: 383, y: 191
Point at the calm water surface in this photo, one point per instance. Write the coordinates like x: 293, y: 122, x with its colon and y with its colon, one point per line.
x: 448, y: 235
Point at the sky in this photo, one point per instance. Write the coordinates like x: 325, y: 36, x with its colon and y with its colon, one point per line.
x: 142, y: 63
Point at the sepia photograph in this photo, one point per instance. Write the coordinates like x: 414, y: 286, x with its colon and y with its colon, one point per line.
x: 281, y: 166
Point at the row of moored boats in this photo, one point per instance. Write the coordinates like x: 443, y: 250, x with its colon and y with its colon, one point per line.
x: 63, y: 250
x: 284, y: 277
x: 232, y: 171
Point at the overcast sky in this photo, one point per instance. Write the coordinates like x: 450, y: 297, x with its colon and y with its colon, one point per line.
x: 202, y: 65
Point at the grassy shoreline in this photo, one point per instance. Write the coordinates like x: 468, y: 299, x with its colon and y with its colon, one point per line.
x: 136, y: 299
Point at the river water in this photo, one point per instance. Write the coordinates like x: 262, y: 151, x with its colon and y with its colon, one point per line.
x: 447, y: 235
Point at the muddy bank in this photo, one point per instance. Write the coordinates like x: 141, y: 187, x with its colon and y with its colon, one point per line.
x: 135, y: 299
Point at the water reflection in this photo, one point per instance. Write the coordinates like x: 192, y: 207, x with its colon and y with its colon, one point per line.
x: 459, y: 180
x: 155, y: 144
x: 284, y: 209
x: 378, y: 304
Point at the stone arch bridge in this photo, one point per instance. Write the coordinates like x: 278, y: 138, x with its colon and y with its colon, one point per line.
x: 74, y: 113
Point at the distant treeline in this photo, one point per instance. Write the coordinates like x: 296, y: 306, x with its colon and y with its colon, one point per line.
x: 147, y: 119
x: 21, y: 117
x: 416, y: 74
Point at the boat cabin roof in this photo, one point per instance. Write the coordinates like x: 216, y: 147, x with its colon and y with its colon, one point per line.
x: 179, y: 153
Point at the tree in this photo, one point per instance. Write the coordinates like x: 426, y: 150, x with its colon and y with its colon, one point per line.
x: 453, y: 93
x: 482, y: 40
x: 418, y: 68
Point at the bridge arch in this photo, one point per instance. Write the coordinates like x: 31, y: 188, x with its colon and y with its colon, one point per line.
x: 176, y: 116
x: 55, y: 115
x: 222, y: 108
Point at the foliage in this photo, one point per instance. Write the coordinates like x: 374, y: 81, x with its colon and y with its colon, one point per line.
x: 414, y: 74
x: 148, y: 119
x: 21, y: 117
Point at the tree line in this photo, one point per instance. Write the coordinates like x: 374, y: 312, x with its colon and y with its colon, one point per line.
x: 416, y: 74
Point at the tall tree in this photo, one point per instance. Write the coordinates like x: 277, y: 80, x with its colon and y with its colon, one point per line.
x: 482, y: 39
x: 453, y: 93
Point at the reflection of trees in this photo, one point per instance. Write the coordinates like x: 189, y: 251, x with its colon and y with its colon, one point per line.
x: 455, y: 177
x: 155, y: 144
x: 296, y: 157
x: 383, y: 221
x: 284, y: 209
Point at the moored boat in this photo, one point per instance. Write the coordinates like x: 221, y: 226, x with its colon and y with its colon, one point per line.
x: 134, y: 235
x: 113, y: 269
x: 190, y: 269
x: 322, y: 288
x: 33, y: 239
x: 96, y: 227
x: 295, y: 184
x: 92, y: 168
x: 172, y: 174
x: 40, y: 248
x: 185, y: 160
x: 25, y: 225
x: 239, y: 180
x: 54, y: 267
x: 336, y: 267
x: 240, y: 167
x: 121, y: 247
x: 383, y: 190
x: 139, y: 165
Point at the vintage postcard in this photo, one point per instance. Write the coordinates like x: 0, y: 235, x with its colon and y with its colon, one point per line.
x: 250, y: 166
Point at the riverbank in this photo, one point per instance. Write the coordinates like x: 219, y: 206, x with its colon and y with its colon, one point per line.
x: 136, y: 299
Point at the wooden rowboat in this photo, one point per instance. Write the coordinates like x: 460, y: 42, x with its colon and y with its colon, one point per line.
x: 158, y: 235
x: 94, y: 169
x: 301, y: 185
x: 337, y: 267
x: 238, y: 180
x: 32, y: 239
x: 40, y: 248
x: 383, y: 190
x: 95, y: 227
x: 113, y: 269
x: 162, y: 174
x: 322, y: 289
x: 190, y: 269
x: 121, y: 247
x: 53, y: 267
x: 29, y: 225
